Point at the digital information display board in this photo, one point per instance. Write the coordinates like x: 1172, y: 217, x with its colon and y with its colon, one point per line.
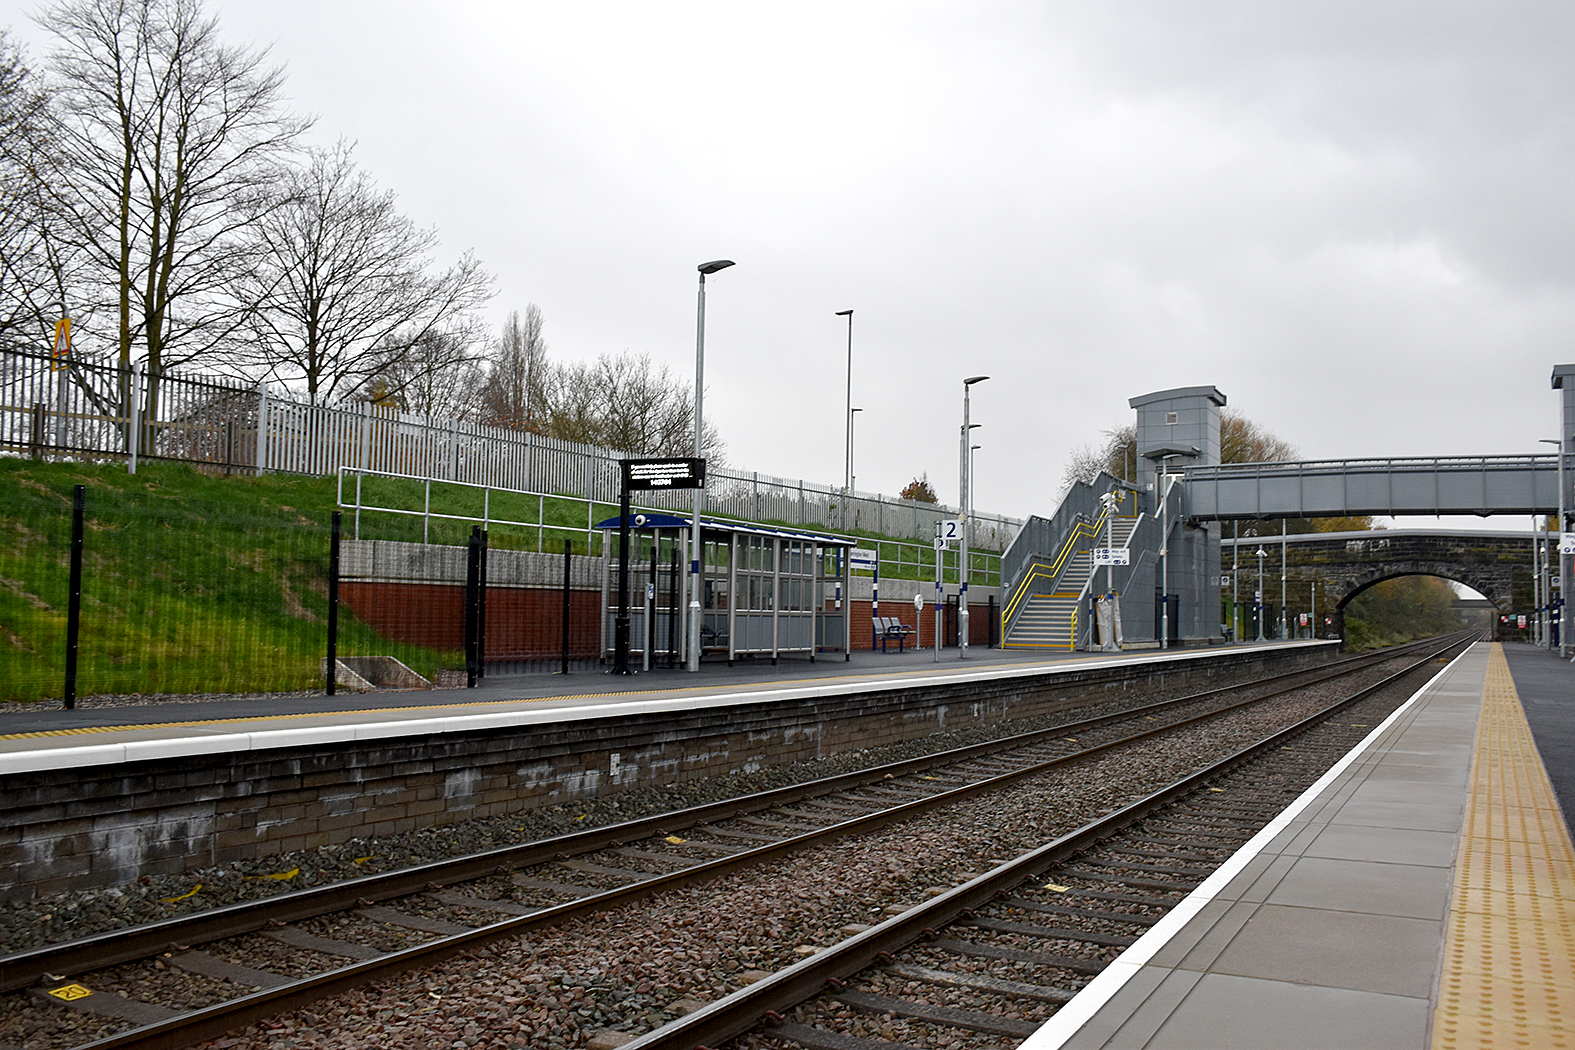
x: 664, y: 473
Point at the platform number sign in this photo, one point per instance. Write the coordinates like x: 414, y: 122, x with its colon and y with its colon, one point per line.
x: 950, y: 530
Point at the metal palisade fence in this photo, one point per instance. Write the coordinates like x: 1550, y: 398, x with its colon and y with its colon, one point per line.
x: 101, y: 411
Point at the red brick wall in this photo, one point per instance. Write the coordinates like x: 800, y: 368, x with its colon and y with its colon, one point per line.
x: 522, y: 623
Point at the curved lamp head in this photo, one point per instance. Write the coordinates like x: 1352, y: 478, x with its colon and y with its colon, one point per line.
x: 974, y: 379
x: 715, y: 265
x: 844, y: 313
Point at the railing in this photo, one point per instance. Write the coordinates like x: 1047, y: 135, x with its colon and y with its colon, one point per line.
x: 96, y: 410
x: 1410, y: 485
x: 498, y: 504
x: 1040, y: 579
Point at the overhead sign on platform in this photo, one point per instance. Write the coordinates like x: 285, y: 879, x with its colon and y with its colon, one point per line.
x: 677, y: 473
x: 863, y: 558
x: 1112, y: 556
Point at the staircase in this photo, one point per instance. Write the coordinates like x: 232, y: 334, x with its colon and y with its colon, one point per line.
x: 1049, y: 621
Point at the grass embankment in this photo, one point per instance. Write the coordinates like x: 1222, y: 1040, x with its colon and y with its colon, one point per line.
x: 194, y: 582
x: 191, y: 582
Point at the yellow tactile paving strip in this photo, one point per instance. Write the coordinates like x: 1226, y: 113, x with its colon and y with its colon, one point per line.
x: 1509, y: 956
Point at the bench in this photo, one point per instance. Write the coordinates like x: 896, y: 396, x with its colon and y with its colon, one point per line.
x: 889, y: 627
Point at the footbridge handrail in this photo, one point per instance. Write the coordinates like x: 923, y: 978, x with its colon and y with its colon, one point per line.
x: 1394, y: 485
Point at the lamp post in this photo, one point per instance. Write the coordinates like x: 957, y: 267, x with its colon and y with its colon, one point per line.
x: 1164, y: 548
x: 847, y: 464
x: 1257, y: 601
x: 695, y: 552
x: 967, y: 508
x: 1563, y: 622
x: 853, y: 479
x: 1285, y: 620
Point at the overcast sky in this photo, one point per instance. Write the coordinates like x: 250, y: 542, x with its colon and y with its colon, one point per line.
x: 1354, y: 219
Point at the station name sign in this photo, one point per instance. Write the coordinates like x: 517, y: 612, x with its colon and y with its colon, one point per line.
x: 675, y: 473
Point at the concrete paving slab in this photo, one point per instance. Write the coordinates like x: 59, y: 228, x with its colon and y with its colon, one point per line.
x: 1388, y: 954
x: 1287, y: 1017
x: 1409, y: 890
x: 1386, y: 845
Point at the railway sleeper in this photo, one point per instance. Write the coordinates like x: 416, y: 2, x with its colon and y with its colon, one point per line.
x: 81, y: 999
x: 971, y: 1020
x: 1175, y: 885
x: 1048, y: 933
x: 979, y: 983
x: 1089, y: 967
x: 819, y: 1039
x: 1131, y: 918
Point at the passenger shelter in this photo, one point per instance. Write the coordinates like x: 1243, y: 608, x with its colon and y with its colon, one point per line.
x: 764, y: 589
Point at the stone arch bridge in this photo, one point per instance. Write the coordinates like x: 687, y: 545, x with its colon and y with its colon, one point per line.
x: 1497, y: 565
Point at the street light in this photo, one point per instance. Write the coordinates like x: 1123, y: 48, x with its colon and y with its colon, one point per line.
x: 847, y: 464
x: 694, y: 526
x: 852, y: 478
x: 1258, y: 597
x: 1564, y: 586
x: 1164, y: 546
x: 967, y: 509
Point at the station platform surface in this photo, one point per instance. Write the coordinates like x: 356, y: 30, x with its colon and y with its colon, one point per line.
x: 49, y: 737
x: 1421, y: 895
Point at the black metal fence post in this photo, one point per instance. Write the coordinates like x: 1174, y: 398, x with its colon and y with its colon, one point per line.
x: 472, y: 579
x: 332, y: 673
x: 481, y: 609
x: 74, y: 596
x: 568, y: 553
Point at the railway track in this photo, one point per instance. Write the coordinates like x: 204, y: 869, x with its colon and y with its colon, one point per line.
x: 1023, y: 939
x: 377, y: 927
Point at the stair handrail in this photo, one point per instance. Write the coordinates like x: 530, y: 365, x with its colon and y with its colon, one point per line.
x: 1083, y: 642
x: 1082, y: 527
x: 1034, y: 567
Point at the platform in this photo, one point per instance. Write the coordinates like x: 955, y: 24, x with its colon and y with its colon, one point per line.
x: 1421, y: 895
x: 52, y: 738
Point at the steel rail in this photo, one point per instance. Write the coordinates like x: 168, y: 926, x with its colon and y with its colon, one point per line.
x: 215, y: 1020
x: 25, y: 968
x: 771, y: 997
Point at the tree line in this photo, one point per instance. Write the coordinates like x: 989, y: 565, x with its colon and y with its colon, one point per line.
x: 156, y: 189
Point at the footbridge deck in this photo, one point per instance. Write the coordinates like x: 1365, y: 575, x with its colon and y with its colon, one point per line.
x: 1481, y: 485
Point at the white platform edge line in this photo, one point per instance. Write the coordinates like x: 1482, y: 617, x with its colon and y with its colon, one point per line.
x: 531, y: 712
x: 1074, y: 1015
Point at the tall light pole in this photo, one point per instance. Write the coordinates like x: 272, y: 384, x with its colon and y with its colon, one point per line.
x: 967, y: 508
x: 847, y: 459
x: 853, y: 478
x: 696, y: 554
x: 1258, y: 599
x: 1564, y: 586
x: 1164, y: 548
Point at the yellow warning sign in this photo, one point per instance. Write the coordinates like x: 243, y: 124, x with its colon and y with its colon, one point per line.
x: 62, y: 344
x: 68, y: 992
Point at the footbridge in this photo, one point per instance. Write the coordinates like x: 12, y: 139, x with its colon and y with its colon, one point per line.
x: 1335, y: 488
x: 1498, y: 565
x: 1165, y: 575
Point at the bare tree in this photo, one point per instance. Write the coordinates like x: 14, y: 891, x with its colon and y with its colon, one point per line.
x: 341, y: 285
x: 627, y: 404
x: 512, y: 395
x: 34, y: 263
x: 439, y: 374
x: 164, y: 132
